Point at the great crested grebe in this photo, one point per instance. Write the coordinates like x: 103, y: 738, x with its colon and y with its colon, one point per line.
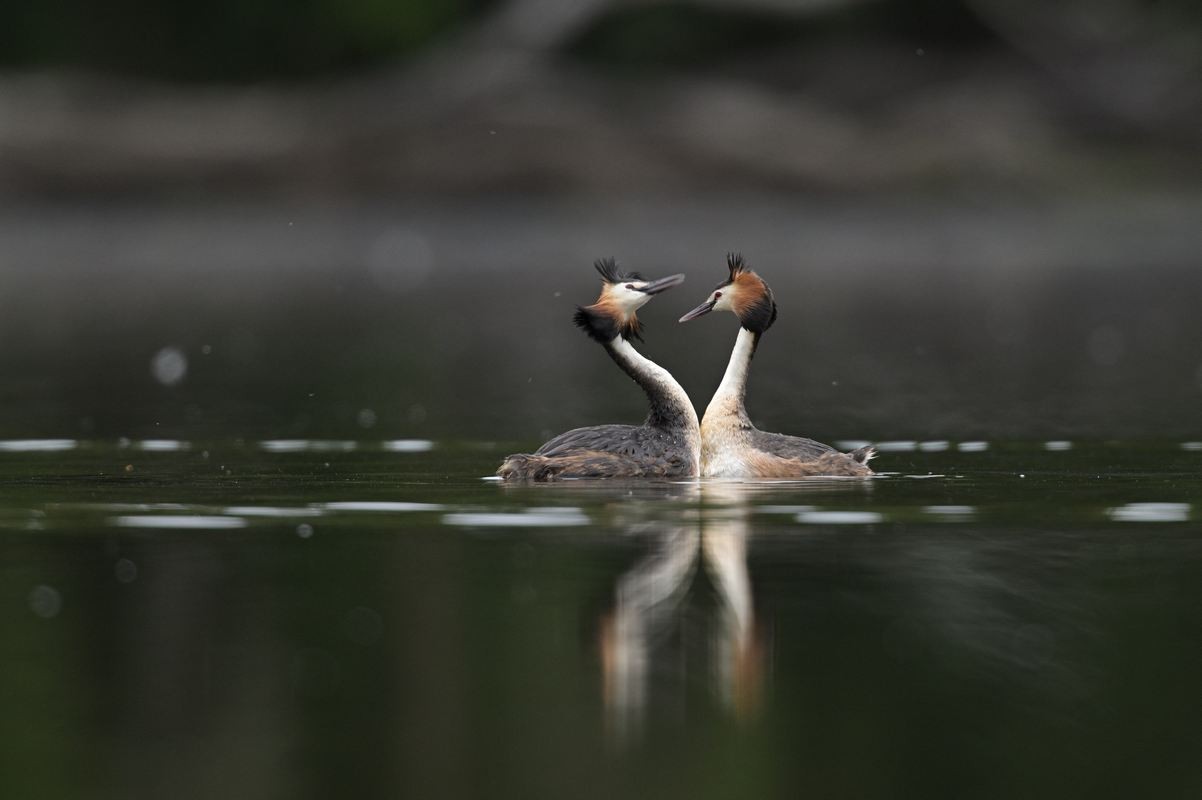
x: 731, y: 447
x: 666, y: 445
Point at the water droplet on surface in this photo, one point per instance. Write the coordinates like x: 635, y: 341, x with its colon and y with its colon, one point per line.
x: 125, y: 571
x: 304, y: 530
x: 45, y: 601
x: 169, y: 366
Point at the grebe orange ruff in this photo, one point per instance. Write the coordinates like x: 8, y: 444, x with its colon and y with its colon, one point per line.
x: 731, y: 447
x: 666, y: 445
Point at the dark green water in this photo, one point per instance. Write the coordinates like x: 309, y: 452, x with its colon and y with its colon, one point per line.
x: 324, y: 619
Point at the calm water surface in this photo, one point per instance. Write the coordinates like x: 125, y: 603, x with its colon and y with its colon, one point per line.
x: 306, y: 618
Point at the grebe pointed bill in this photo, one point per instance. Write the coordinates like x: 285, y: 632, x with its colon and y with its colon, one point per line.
x: 731, y: 447
x: 666, y: 445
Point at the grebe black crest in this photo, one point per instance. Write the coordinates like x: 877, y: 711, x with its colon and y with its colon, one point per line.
x: 731, y: 446
x: 666, y: 445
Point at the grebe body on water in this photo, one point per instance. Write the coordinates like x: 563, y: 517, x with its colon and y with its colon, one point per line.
x: 666, y: 445
x: 731, y: 447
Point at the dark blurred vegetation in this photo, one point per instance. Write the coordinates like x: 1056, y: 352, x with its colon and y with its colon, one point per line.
x: 224, y: 40
x: 273, y: 39
x: 686, y: 35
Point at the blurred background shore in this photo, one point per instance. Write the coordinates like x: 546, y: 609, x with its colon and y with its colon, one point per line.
x: 601, y: 95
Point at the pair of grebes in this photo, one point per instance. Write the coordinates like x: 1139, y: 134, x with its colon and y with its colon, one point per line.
x: 671, y: 443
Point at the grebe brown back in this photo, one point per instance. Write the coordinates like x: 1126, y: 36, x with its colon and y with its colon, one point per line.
x: 731, y: 447
x: 666, y: 445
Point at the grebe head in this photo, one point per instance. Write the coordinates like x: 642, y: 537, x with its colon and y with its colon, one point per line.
x: 622, y: 294
x: 744, y: 293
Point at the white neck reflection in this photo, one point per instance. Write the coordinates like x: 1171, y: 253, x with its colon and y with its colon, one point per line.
x: 648, y: 607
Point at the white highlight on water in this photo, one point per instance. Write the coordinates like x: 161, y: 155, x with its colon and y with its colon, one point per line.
x: 162, y: 445
x: 37, y: 445
x: 197, y: 522
x: 378, y: 505
x: 307, y: 446
x: 408, y: 445
x: 271, y: 511
x: 784, y: 509
x: 972, y: 447
x: 951, y: 513
x: 1150, y: 512
x: 530, y: 518
x: 839, y: 517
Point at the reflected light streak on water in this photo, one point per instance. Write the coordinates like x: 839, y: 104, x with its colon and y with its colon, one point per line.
x: 1150, y: 512
x: 531, y: 518
x: 839, y: 517
x: 195, y: 522
x: 162, y: 445
x: 37, y: 445
x: 649, y: 603
x: 307, y: 446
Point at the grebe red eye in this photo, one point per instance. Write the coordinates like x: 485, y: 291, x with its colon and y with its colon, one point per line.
x: 630, y: 286
x: 717, y: 295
